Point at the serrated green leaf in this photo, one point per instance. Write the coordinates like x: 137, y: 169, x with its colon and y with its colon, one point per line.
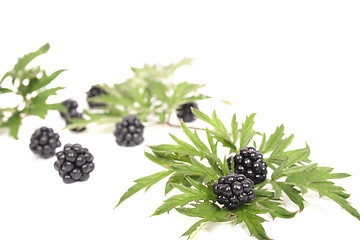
x: 194, y: 138
x: 224, y: 140
x: 218, y: 124
x: 289, y: 159
x: 235, y: 129
x: 281, y: 146
x: 292, y: 193
x: 277, y: 210
x: 43, y: 96
x: 253, y: 223
x: 36, y: 83
x: 174, y: 178
x: 24, y: 61
x: 172, y: 148
x: 14, y: 123
x: 144, y: 182
x: 210, y: 139
x: 200, y: 115
x: 273, y: 140
x: 209, y: 211
x: 247, y: 132
x: 316, y: 178
x: 177, y: 200
x: 194, y: 228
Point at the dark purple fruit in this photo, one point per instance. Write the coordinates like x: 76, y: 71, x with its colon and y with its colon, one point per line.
x: 72, y: 163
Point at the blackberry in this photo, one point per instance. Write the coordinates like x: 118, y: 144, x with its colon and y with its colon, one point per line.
x: 70, y: 106
x: 44, y: 141
x: 233, y: 189
x: 74, y: 163
x: 94, y: 92
x: 250, y: 163
x: 72, y: 112
x: 129, y: 132
x: 184, y: 112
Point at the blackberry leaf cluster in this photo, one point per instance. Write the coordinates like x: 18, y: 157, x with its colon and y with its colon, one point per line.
x: 149, y: 94
x: 30, y: 84
x: 208, y: 189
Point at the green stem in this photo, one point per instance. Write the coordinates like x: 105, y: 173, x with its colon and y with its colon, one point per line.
x: 192, y: 236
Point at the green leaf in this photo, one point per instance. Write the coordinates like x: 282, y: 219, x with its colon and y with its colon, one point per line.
x: 273, y: 140
x: 247, y: 132
x: 277, y: 210
x: 194, y: 228
x: 235, y: 129
x: 206, y: 210
x: 24, y: 61
x: 292, y: 193
x: 36, y: 84
x: 177, y: 200
x: 200, y: 115
x: 5, y: 90
x: 194, y: 138
x: 43, y: 96
x: 14, y: 123
x: 316, y: 178
x: 144, y: 182
x: 253, y: 223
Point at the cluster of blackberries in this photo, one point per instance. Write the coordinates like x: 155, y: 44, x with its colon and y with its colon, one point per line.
x: 72, y: 112
x: 95, y: 92
x: 250, y: 163
x: 184, y: 112
x: 233, y: 189
x: 74, y: 163
x: 44, y: 141
x: 129, y: 132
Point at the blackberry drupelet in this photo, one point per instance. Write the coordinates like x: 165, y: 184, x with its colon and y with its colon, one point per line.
x: 184, y: 112
x: 74, y: 163
x: 250, y: 163
x: 95, y: 92
x: 233, y: 189
x: 44, y: 141
x: 129, y: 132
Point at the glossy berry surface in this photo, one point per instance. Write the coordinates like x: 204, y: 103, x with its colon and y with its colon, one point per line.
x: 95, y: 92
x: 184, y: 112
x: 129, y: 132
x: 234, y: 189
x: 250, y: 163
x: 44, y: 141
x: 74, y: 163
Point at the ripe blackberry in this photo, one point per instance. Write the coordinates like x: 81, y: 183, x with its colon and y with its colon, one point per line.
x: 44, y: 141
x: 129, y: 132
x: 74, y: 163
x: 95, y: 92
x: 70, y: 106
x: 233, y: 189
x: 250, y: 163
x: 184, y: 112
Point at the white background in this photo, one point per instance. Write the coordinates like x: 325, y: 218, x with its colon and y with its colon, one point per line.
x: 292, y: 62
